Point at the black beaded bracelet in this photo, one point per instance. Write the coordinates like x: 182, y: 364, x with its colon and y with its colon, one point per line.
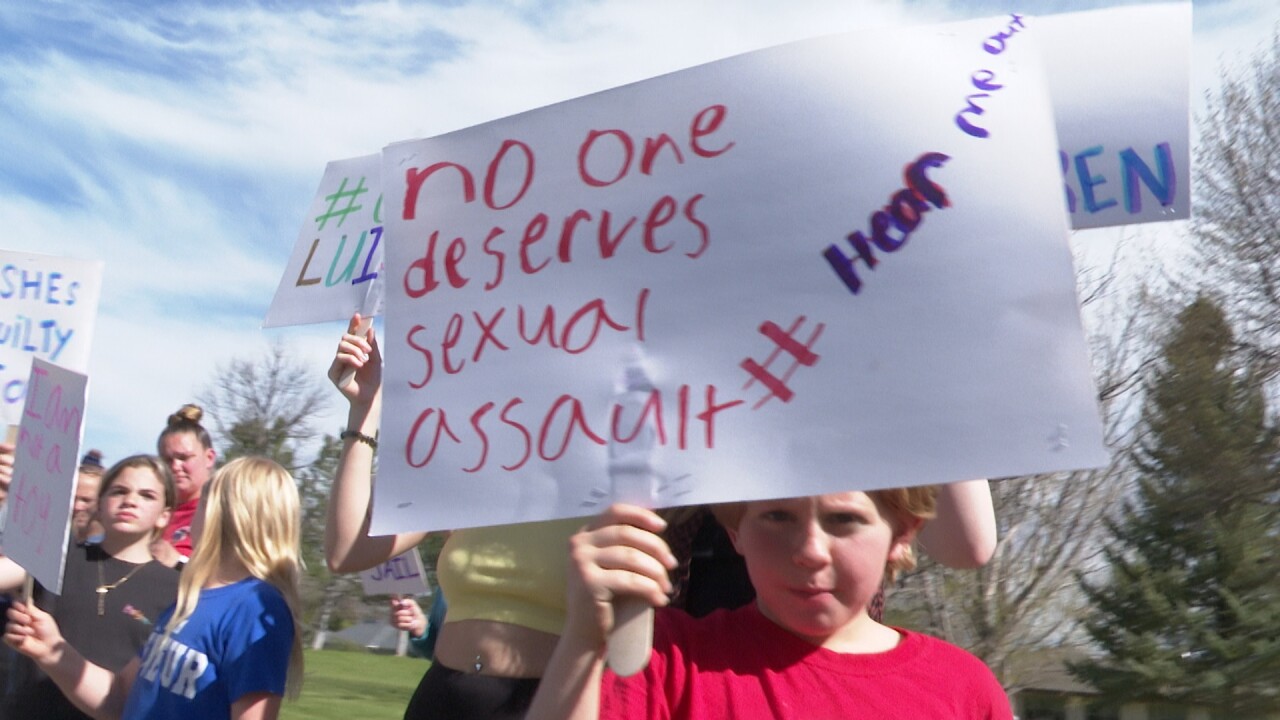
x: 359, y: 437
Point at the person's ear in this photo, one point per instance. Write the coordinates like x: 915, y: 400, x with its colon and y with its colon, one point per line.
x: 904, y: 535
x: 162, y: 521
x: 210, y: 457
x: 733, y: 538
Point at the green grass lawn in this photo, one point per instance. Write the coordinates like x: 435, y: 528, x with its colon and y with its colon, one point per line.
x: 355, y: 685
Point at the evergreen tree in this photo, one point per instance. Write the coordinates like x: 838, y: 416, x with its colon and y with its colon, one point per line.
x: 1191, y: 612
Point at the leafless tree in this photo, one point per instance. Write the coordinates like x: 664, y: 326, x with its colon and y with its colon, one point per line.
x: 1025, y: 601
x: 265, y: 406
x: 1236, y: 222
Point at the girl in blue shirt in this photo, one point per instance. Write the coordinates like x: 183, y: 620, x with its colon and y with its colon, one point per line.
x: 230, y: 647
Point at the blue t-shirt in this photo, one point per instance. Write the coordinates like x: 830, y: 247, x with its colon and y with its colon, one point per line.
x: 236, y: 642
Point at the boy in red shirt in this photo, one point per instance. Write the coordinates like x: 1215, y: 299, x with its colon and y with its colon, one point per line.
x: 805, y: 649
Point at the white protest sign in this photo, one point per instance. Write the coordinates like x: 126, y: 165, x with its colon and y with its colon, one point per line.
x: 401, y: 575
x: 783, y: 273
x: 47, y: 309
x: 1120, y: 82
x: 44, y: 472
x: 1118, y: 79
x: 338, y: 253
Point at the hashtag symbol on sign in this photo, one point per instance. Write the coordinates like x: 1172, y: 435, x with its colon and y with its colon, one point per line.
x: 801, y: 354
x: 351, y: 195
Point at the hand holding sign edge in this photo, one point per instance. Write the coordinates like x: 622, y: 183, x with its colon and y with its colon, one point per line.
x: 358, y: 359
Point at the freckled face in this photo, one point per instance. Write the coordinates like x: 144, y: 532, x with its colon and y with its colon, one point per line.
x: 816, y: 562
x: 189, y: 461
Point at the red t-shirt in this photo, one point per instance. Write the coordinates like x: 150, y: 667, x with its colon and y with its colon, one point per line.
x: 178, y: 531
x: 739, y: 664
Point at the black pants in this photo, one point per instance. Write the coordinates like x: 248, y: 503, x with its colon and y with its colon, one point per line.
x: 447, y: 694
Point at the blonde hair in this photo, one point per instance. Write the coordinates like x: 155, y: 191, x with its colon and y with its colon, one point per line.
x: 901, y: 506
x: 251, y: 514
x: 904, y: 506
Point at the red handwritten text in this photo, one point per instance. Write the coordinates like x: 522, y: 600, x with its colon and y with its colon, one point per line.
x: 548, y: 433
x: 29, y: 510
x: 465, y: 338
x: 605, y: 157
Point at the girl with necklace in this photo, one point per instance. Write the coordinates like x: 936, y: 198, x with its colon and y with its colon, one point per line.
x: 113, y: 592
x: 229, y: 647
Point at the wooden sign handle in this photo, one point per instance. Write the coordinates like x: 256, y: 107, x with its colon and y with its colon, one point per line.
x: 631, y: 641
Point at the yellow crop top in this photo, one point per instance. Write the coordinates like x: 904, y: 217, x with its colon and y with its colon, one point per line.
x: 508, y: 573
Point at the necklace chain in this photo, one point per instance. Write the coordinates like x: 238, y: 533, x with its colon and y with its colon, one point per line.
x: 104, y: 588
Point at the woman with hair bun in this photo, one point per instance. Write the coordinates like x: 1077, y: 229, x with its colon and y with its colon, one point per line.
x: 185, y: 446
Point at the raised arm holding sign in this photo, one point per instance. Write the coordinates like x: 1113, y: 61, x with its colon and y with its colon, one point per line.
x: 829, y: 278
x: 507, y: 654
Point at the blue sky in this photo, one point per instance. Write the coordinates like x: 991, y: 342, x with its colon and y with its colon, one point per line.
x: 181, y: 142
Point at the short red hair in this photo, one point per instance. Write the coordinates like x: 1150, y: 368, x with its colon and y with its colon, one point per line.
x: 901, y: 506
